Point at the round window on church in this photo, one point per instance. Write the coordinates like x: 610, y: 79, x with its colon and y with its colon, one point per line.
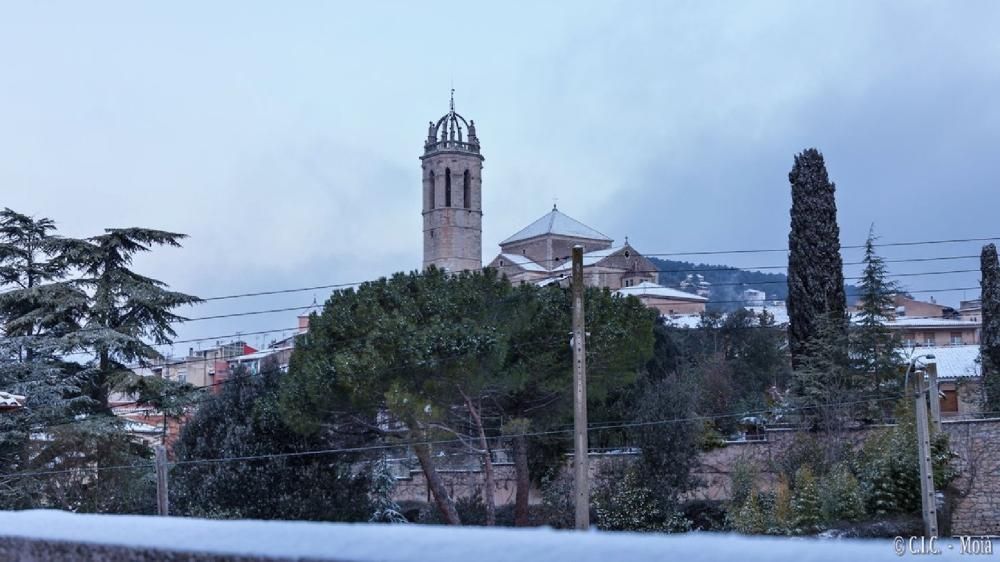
x: 628, y: 254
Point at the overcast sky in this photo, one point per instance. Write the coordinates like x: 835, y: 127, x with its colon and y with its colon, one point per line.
x: 284, y: 137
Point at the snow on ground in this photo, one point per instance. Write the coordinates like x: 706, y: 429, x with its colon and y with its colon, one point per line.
x: 411, y: 543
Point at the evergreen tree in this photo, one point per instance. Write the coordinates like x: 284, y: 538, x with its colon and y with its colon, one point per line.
x: 875, y: 347
x: 127, y: 313
x: 840, y: 494
x: 990, y: 340
x: 806, y: 502
x: 37, y: 308
x: 815, y: 268
x: 402, y: 358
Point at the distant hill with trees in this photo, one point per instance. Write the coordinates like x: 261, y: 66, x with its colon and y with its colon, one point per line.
x: 728, y: 282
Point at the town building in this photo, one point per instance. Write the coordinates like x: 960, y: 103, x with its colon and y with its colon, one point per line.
x: 971, y: 310
x: 958, y: 374
x: 911, y: 307
x: 669, y: 302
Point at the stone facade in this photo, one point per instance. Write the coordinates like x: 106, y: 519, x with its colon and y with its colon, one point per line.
x: 452, y: 194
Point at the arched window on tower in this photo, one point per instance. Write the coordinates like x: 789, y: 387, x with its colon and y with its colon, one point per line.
x: 467, y: 190
x: 447, y: 187
x: 430, y: 192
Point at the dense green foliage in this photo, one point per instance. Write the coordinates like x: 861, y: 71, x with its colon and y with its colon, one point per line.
x: 990, y: 341
x: 823, y: 483
x: 66, y: 298
x: 815, y: 268
x: 243, y: 421
x: 459, y: 358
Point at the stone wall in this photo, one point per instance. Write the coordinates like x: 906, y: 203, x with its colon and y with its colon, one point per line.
x: 973, y: 499
x: 975, y: 507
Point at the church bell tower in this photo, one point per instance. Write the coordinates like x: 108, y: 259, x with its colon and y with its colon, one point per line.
x: 452, y: 195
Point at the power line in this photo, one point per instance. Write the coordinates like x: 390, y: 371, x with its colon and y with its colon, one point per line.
x: 848, y: 247
x: 384, y: 446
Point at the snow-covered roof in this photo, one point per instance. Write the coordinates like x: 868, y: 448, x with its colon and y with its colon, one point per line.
x: 133, y: 426
x: 779, y: 313
x: 555, y: 222
x: 589, y: 258
x: 650, y: 289
x: 307, y: 540
x: 904, y: 322
x: 523, y: 262
x: 9, y: 401
x: 953, y: 361
x: 683, y: 320
x: 260, y: 354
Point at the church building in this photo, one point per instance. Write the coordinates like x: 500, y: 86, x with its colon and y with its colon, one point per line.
x: 538, y: 253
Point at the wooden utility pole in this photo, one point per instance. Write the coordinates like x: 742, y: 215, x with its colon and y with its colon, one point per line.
x: 928, y: 500
x: 580, y: 462
x: 933, y: 395
x: 162, y: 505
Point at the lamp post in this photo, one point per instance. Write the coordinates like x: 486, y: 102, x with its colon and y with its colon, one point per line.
x: 928, y: 500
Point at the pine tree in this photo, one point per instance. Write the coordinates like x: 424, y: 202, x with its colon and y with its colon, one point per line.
x: 37, y: 308
x: 875, y: 347
x: 806, y: 501
x: 815, y: 268
x: 990, y: 340
x: 128, y: 313
x: 384, y: 508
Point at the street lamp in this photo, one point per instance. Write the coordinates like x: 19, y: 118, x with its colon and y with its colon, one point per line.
x: 913, y: 363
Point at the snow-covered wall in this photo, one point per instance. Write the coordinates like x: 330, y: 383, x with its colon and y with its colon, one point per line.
x: 34, y: 536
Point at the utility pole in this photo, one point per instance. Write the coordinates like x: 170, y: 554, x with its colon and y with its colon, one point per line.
x: 928, y: 500
x: 933, y: 395
x: 160, y: 460
x: 580, y: 462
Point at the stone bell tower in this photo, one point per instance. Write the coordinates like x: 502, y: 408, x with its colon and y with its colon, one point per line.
x: 453, y: 194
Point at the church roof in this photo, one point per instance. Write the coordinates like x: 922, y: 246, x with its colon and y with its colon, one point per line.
x: 590, y: 258
x: 523, y: 262
x: 559, y: 224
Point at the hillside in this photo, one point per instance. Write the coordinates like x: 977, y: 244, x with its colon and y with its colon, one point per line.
x: 727, y: 282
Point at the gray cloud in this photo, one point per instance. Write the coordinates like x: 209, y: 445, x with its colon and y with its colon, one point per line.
x: 285, y: 141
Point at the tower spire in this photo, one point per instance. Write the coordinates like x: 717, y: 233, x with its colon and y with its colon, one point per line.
x: 451, y: 104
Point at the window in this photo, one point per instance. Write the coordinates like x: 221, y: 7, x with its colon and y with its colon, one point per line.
x: 447, y: 187
x: 466, y: 190
x: 501, y: 263
x: 956, y: 338
x: 628, y: 254
x: 929, y: 338
x: 430, y: 192
x: 949, y: 402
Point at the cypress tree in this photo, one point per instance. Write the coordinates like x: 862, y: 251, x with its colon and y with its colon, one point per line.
x: 815, y: 268
x: 990, y: 342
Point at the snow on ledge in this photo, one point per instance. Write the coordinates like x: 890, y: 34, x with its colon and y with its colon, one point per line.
x: 406, y: 543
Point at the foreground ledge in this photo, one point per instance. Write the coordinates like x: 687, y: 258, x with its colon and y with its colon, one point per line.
x: 31, y: 536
